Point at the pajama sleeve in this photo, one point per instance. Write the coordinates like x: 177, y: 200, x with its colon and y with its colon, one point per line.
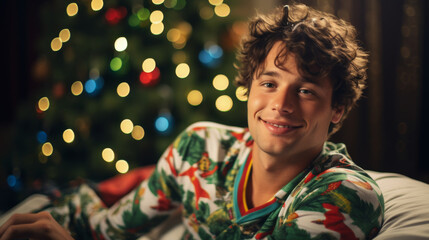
x: 333, y: 206
x: 146, y: 206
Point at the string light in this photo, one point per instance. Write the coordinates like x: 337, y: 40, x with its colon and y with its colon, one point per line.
x: 241, y: 93
x: 127, y: 126
x: 77, y: 88
x: 222, y: 10
x: 138, y: 132
x: 143, y: 14
x: 116, y: 64
x: 150, y: 78
x: 122, y: 166
x: 64, y: 35
x: 121, y: 44
x: 157, y: 28
x: 156, y: 17
x: 206, y: 13
x: 56, y: 44
x: 47, y: 149
x: 148, y: 65
x: 108, y: 155
x: 224, y: 103
x: 158, y: 2
x: 182, y: 70
x: 42, y: 137
x: 43, y: 104
x: 164, y: 123
x: 97, y: 5
x: 220, y: 82
x: 72, y: 9
x: 215, y: 2
x: 93, y: 86
x: 68, y: 136
x: 123, y: 89
x: 195, y: 97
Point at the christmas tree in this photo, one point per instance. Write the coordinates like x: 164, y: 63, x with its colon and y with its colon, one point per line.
x: 120, y: 80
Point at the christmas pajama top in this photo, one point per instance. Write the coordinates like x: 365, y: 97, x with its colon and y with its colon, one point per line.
x: 206, y: 170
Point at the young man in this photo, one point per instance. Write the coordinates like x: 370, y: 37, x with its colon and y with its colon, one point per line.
x: 278, y: 179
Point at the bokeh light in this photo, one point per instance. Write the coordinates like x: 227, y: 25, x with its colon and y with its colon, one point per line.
x: 138, y: 132
x: 108, y: 155
x: 123, y: 89
x: 116, y: 64
x: 56, y: 44
x: 148, y: 65
x: 43, y: 104
x: 224, y: 103
x: 47, y: 149
x: 42, y: 137
x: 77, y: 88
x: 121, y: 44
x: 241, y: 93
x: 156, y: 28
x: 158, y: 2
x: 206, y: 13
x: 195, y: 97
x: 68, y: 136
x: 143, y: 14
x: 72, y: 9
x: 64, y: 35
x: 127, y: 126
x: 222, y: 10
x: 220, y: 82
x: 97, y: 5
x: 182, y: 70
x: 122, y: 166
x: 215, y: 2
x: 156, y: 17
x: 151, y: 78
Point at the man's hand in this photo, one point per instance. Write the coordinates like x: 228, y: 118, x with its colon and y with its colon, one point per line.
x: 34, y: 226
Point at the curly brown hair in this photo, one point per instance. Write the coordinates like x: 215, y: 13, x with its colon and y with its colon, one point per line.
x: 323, y: 45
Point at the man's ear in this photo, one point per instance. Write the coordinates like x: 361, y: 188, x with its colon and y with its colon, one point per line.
x: 337, y: 114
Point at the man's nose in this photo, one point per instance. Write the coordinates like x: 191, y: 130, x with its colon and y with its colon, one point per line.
x: 284, y: 101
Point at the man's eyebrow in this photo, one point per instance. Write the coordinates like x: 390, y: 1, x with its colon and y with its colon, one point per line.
x: 301, y: 79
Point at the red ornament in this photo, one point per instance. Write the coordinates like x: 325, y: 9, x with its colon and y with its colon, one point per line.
x: 114, y: 15
x: 150, y: 78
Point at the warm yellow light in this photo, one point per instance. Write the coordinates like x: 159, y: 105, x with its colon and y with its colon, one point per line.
x: 215, y: 2
x: 97, y: 5
x: 185, y: 28
x: 182, y: 70
x: 195, y: 97
x: 222, y: 10
x: 123, y: 89
x: 220, y: 82
x: 173, y: 35
x: 47, y: 149
x: 72, y: 9
x: 148, y: 65
x: 241, y: 93
x: 138, y: 132
x: 206, y: 13
x: 64, y: 35
x: 122, y: 166
x: 77, y: 88
x: 127, y: 126
x: 44, y: 103
x: 56, y: 44
x: 156, y: 16
x: 158, y: 2
x: 156, y: 28
x: 121, y: 44
x: 68, y: 136
x: 108, y: 155
x: 224, y: 103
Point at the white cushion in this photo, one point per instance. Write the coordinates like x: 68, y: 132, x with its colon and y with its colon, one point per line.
x: 406, y: 206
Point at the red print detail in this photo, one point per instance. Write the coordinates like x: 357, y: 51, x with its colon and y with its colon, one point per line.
x: 335, y: 222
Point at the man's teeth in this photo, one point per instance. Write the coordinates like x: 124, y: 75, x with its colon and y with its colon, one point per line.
x: 279, y: 126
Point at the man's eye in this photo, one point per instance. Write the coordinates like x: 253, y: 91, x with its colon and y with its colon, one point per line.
x: 268, y: 85
x: 305, y: 91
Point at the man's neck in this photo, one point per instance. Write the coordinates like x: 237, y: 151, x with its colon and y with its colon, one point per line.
x: 270, y: 174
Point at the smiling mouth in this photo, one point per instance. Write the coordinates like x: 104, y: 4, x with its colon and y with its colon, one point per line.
x: 280, y: 126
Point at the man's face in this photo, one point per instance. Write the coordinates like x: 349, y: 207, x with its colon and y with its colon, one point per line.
x: 288, y: 115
